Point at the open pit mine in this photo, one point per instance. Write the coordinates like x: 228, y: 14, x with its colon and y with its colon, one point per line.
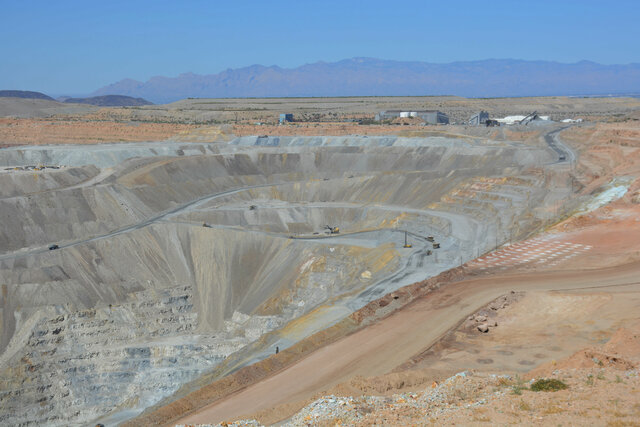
x: 128, y: 271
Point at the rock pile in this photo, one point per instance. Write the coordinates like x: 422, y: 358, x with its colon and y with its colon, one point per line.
x: 484, y: 319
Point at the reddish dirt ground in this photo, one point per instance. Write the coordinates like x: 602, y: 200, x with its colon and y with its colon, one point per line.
x: 388, y: 343
x: 51, y: 131
x: 601, y: 388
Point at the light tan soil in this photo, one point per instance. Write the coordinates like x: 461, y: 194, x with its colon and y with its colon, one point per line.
x: 70, y: 123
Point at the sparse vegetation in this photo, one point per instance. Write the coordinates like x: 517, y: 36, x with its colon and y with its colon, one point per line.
x: 548, y: 384
x: 504, y: 382
x: 517, y: 389
x: 620, y: 423
x: 518, y: 386
x: 552, y: 409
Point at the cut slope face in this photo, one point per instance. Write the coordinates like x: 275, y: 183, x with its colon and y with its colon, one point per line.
x: 141, y: 298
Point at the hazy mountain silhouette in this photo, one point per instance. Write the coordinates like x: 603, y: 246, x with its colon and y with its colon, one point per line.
x: 371, y: 77
x: 24, y: 94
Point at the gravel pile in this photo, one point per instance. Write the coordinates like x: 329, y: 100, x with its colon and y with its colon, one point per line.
x: 464, y: 389
x: 469, y: 396
x: 458, y: 390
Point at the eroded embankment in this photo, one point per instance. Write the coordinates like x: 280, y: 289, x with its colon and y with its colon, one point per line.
x: 141, y: 298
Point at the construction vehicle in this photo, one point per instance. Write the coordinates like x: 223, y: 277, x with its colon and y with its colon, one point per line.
x: 406, y: 244
x: 436, y: 245
x: 430, y: 238
x: 332, y: 230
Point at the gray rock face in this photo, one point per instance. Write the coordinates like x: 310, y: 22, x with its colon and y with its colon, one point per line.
x: 140, y: 299
x: 75, y: 365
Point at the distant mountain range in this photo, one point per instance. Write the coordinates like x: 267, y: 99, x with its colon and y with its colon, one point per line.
x: 101, y: 101
x: 24, y: 94
x: 376, y: 77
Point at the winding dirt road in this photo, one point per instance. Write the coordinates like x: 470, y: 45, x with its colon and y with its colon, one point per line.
x: 388, y: 343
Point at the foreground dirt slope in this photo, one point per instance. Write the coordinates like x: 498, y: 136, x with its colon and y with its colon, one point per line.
x: 388, y: 343
x: 602, y: 387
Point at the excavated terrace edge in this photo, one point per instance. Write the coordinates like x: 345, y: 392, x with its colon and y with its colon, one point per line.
x: 171, y: 409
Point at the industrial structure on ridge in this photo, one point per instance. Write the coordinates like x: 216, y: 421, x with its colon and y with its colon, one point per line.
x: 429, y: 117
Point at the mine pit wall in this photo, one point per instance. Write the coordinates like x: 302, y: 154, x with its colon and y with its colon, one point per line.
x: 90, y: 349
x: 19, y: 183
x: 187, y: 296
x: 99, y: 155
x: 73, y: 214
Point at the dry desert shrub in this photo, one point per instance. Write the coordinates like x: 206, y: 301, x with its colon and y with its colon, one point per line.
x: 546, y: 384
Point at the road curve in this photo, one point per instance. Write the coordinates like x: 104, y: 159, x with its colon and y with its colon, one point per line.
x: 565, y: 154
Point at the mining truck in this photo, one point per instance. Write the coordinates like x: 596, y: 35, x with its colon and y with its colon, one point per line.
x: 332, y: 230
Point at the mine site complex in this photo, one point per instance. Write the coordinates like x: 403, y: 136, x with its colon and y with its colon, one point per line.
x: 320, y: 261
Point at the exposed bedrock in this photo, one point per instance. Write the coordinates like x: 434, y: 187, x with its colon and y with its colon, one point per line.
x: 141, y: 298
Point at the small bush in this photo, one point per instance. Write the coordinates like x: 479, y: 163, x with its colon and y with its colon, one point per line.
x: 589, y: 380
x: 518, y: 386
x: 548, y: 385
x: 517, y: 389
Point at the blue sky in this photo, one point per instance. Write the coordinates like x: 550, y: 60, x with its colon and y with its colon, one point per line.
x: 75, y: 47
